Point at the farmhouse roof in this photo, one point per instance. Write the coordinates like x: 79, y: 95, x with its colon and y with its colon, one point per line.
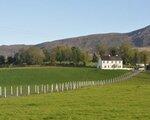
x: 111, y: 58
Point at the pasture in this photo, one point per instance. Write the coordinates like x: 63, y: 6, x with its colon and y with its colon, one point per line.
x: 49, y: 75
x: 119, y: 101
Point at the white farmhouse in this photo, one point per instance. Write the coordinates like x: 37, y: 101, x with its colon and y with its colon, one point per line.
x: 110, y: 62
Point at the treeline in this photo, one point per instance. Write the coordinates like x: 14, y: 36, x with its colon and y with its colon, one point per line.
x: 60, y: 55
x: 73, y: 56
x: 130, y: 55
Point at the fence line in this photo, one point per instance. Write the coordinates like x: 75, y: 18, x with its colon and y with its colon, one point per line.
x: 59, y: 87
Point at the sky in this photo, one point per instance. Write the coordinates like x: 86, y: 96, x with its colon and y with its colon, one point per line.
x: 37, y: 21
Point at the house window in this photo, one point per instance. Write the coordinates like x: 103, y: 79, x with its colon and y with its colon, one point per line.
x: 104, y: 66
x: 111, y: 61
x: 119, y: 61
x: 103, y: 61
x: 115, y: 61
x: 107, y: 61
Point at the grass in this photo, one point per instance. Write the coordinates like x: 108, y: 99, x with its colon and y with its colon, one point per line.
x: 128, y: 100
x: 48, y: 75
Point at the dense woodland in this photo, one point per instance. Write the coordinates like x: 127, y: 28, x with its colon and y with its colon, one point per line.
x: 73, y: 56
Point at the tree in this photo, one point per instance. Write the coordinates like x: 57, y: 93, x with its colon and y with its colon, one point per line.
x: 94, y: 58
x: 47, y: 55
x: 126, y: 53
x: 10, y: 60
x: 53, y: 56
x: 67, y: 54
x: 60, y: 53
x: 136, y: 57
x: 114, y: 51
x: 2, y: 60
x: 34, y: 56
x: 20, y: 57
x: 85, y: 58
x: 102, y: 49
x: 76, y: 55
x: 144, y: 57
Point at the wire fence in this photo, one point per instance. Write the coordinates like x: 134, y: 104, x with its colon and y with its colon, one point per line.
x: 25, y: 90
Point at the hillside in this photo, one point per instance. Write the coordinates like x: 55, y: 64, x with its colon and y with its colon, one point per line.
x: 10, y: 50
x: 138, y: 38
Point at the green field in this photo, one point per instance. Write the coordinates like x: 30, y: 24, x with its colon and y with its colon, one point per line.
x: 48, y: 75
x: 129, y: 100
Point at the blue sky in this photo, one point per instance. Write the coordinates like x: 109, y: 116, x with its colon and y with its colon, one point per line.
x: 36, y: 21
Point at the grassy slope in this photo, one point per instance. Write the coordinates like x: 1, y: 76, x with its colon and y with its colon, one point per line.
x: 53, y: 74
x: 120, y: 101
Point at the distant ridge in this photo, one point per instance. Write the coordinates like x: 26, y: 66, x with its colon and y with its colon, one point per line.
x: 138, y: 38
x: 10, y: 50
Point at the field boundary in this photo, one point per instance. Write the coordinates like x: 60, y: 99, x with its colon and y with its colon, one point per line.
x: 25, y: 90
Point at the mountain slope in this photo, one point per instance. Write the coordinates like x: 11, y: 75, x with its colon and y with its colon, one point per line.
x: 141, y: 37
x: 10, y: 50
x: 90, y: 42
x: 138, y: 38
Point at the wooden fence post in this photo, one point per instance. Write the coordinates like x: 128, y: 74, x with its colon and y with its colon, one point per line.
x: 21, y: 90
x: 52, y: 88
x: 93, y: 83
x: 44, y: 89
x: 56, y: 88
x: 62, y: 87
x: 35, y: 88
x: 28, y: 90
x: 85, y: 83
x: 17, y: 91
x: 102, y: 82
x: 82, y: 84
x: 5, y: 92
x: 74, y: 86
x: 59, y: 86
x: 113, y: 80
x: 38, y: 89
x: 71, y: 85
x: 67, y: 85
x: 11, y: 90
x: 99, y: 82
x: 0, y: 91
x: 47, y: 87
x: 65, y: 88
x: 79, y: 84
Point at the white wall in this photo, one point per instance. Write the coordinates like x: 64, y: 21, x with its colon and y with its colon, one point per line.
x: 112, y: 64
